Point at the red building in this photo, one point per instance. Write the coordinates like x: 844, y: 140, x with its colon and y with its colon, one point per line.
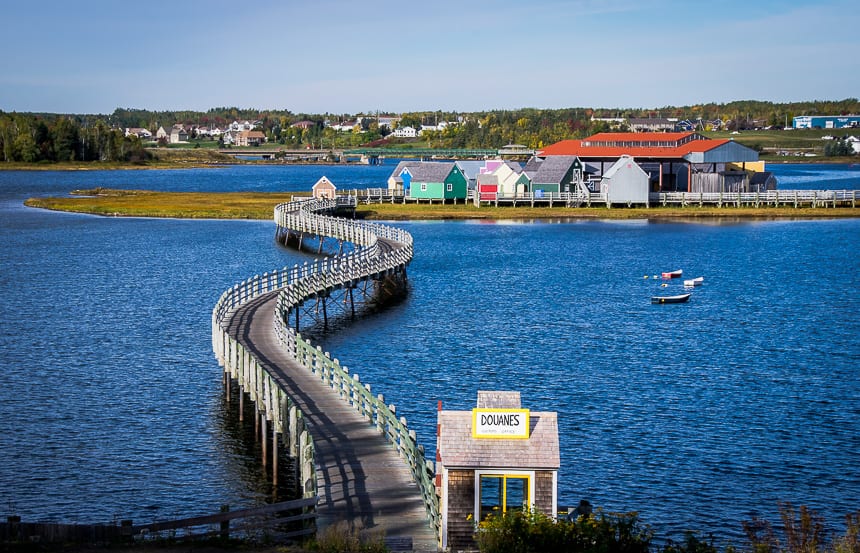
x: 675, y: 162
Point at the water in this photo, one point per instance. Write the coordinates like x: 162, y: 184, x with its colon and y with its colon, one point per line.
x: 697, y: 415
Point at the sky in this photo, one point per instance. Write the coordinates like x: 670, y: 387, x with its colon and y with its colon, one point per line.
x: 351, y: 56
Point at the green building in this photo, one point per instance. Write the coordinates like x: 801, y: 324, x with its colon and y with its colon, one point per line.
x: 435, y: 180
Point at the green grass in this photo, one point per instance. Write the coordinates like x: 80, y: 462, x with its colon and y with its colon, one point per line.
x: 260, y: 205
x: 796, y: 140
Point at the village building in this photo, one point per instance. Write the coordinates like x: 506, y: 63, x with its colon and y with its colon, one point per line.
x: 471, y: 168
x: 434, y: 181
x: 825, y: 121
x: 324, y: 188
x: 250, y: 138
x: 651, y: 124
x: 143, y: 134
x: 501, y: 178
x: 304, y: 125
x: 396, y: 182
x: 494, y: 459
x: 405, y: 132
x: 675, y: 162
x: 625, y: 183
x: 556, y: 174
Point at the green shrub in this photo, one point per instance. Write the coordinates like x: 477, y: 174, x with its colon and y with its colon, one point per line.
x: 530, y: 532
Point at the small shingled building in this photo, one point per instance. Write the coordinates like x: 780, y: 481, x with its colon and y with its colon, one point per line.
x: 493, y: 459
x: 324, y: 188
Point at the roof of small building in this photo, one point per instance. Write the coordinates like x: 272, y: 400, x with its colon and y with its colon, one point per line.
x: 622, y: 163
x: 400, y: 167
x: 458, y: 449
x: 553, y: 169
x: 760, y: 177
x: 324, y: 182
x: 431, y: 171
x: 252, y: 134
x: 470, y: 168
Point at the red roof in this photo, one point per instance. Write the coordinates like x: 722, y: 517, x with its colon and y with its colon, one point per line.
x: 613, y: 145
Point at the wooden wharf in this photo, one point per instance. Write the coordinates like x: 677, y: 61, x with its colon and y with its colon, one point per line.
x: 770, y: 198
x: 351, y: 450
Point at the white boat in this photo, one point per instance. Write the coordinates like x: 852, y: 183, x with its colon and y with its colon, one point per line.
x: 690, y: 282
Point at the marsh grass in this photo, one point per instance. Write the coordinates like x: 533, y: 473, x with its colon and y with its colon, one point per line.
x: 259, y: 205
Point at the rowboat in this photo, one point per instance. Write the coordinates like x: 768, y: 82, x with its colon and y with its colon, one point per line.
x: 672, y: 274
x: 694, y: 281
x: 682, y: 298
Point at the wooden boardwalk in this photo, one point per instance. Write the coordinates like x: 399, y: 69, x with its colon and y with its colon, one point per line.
x: 352, y: 451
x: 361, y: 478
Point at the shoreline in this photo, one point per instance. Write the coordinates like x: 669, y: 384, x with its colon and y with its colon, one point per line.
x: 190, y: 163
x: 259, y: 206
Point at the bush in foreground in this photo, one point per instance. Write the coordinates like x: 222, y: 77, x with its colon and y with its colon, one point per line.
x: 801, y: 531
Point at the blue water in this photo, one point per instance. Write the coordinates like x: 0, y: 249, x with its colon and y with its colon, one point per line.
x: 698, y: 416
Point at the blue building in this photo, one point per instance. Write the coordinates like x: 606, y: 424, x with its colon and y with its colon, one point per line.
x: 826, y: 121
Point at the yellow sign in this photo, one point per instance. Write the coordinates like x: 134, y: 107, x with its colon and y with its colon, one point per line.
x: 507, y: 424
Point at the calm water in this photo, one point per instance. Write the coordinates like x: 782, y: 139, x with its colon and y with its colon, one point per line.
x: 698, y: 416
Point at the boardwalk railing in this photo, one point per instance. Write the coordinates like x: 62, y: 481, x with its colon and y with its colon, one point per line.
x: 770, y: 198
x: 371, y: 260
x: 773, y: 198
x: 290, y: 517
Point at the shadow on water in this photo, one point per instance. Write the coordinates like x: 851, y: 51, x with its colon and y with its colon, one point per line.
x: 244, y: 443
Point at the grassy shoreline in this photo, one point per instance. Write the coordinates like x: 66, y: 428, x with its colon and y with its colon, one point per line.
x: 260, y: 206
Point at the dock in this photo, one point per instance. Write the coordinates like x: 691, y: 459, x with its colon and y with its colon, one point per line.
x: 352, y: 450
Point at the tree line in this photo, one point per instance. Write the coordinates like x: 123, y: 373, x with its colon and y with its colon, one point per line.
x: 37, y: 137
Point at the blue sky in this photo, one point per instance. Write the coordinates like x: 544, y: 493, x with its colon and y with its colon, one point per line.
x: 350, y: 56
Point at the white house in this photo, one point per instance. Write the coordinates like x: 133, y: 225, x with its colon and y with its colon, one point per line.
x: 405, y: 132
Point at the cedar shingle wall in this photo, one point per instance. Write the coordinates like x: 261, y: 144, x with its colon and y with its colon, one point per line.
x: 543, y: 492
x: 461, y: 504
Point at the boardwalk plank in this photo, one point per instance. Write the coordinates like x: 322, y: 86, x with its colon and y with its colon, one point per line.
x: 360, y: 476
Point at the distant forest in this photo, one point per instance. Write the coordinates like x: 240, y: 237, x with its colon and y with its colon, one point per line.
x: 46, y: 137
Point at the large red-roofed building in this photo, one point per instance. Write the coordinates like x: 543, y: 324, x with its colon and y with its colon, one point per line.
x: 674, y: 161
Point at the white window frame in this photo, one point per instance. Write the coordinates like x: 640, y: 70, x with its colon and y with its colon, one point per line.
x: 449, y: 187
x: 423, y: 187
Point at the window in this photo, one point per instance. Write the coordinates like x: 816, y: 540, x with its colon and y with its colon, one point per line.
x: 449, y: 187
x: 500, y: 492
x: 423, y: 187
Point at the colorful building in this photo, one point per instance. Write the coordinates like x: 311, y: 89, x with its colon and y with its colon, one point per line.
x: 675, y: 162
x: 434, y: 181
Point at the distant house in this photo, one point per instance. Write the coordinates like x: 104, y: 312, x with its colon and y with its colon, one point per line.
x: 238, y: 126
x: 143, y: 134
x: 324, y: 188
x: 388, y: 122
x: 625, y: 183
x: 405, y: 132
x: 177, y: 135
x: 304, y: 125
x: 651, y: 124
x: 346, y: 126
x: 161, y: 133
x: 250, y: 138
x: 437, y: 181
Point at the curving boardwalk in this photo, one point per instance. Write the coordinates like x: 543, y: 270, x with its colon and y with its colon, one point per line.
x: 368, y: 469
